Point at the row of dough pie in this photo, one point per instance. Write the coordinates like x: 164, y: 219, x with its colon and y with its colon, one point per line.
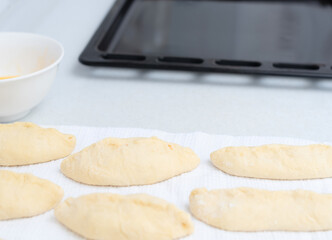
x: 111, y: 162
x: 141, y: 216
x: 138, y: 161
x: 93, y: 216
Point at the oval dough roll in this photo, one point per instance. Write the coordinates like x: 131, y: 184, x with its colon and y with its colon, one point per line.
x: 131, y: 161
x: 24, y: 195
x: 26, y: 143
x: 248, y: 209
x: 113, y: 216
x: 275, y: 161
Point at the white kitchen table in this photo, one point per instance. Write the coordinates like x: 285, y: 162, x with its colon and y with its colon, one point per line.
x: 170, y: 101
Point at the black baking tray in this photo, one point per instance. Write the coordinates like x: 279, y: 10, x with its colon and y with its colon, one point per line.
x: 289, y: 37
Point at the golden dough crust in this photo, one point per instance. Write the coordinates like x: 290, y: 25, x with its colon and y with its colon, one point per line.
x: 24, y: 143
x: 127, y: 162
x: 276, y: 161
x: 113, y: 216
x: 251, y: 210
x: 25, y: 195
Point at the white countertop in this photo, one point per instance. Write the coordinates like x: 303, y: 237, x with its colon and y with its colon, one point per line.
x: 170, y: 101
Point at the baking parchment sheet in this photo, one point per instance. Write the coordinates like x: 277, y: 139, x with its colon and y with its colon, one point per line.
x: 175, y: 190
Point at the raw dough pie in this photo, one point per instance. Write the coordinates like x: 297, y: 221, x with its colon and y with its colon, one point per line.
x: 26, y: 143
x: 248, y: 209
x: 276, y: 161
x: 24, y: 195
x: 113, y: 216
x: 131, y: 161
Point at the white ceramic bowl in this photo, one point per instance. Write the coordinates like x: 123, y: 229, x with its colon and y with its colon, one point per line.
x: 34, y: 59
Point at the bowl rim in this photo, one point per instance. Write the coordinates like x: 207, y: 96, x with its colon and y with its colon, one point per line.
x: 56, y: 62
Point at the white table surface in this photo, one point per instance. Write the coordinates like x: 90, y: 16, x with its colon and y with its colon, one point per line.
x: 170, y: 101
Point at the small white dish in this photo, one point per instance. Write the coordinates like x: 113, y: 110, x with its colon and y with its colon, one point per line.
x: 34, y: 59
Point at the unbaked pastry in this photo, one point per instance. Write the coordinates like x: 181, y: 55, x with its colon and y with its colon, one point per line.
x: 131, y: 161
x: 248, y: 209
x: 24, y: 143
x: 274, y: 161
x: 24, y: 195
x: 113, y: 216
